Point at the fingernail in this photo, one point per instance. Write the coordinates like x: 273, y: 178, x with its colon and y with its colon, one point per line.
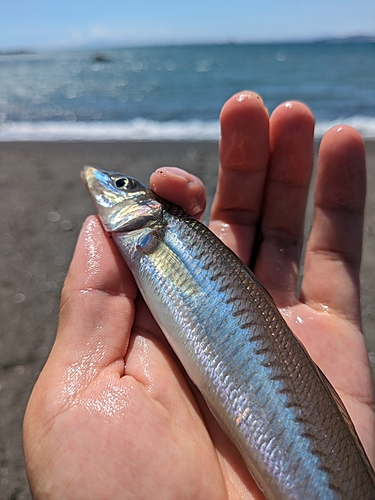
x: 175, y: 172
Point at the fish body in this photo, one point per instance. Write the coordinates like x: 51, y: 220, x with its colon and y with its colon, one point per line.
x: 276, y: 406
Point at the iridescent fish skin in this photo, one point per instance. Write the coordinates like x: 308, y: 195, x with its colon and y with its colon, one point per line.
x: 276, y: 406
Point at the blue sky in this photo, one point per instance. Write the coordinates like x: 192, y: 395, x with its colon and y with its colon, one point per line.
x: 48, y: 24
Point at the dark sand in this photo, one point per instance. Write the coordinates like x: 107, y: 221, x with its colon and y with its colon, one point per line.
x: 43, y: 204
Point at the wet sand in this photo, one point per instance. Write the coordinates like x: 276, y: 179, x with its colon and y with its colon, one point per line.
x: 43, y: 204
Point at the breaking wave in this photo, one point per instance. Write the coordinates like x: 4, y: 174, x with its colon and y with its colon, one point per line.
x: 141, y: 129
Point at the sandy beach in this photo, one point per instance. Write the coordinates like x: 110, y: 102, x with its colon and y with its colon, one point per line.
x: 43, y: 204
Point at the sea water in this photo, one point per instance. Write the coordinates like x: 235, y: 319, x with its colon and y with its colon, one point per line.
x: 176, y: 92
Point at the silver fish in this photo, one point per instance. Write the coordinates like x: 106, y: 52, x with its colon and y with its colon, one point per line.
x: 276, y: 406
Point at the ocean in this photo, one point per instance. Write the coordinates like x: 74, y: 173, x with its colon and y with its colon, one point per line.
x: 176, y: 92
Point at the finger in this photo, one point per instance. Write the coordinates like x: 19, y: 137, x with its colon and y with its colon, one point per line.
x: 97, y: 303
x: 244, y: 153
x: 286, y: 191
x: 181, y: 188
x: 333, y: 254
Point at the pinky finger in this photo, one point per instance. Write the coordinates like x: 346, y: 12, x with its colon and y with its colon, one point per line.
x: 333, y: 254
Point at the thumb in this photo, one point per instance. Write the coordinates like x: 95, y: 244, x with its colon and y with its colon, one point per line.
x: 97, y: 302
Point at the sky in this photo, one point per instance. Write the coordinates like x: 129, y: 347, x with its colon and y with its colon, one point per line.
x: 48, y: 24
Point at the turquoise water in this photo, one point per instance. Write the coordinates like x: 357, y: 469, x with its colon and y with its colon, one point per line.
x: 177, y: 92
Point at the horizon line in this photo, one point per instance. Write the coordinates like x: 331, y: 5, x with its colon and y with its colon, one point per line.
x: 133, y: 45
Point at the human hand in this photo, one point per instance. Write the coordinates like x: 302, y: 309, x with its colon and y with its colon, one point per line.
x: 112, y: 414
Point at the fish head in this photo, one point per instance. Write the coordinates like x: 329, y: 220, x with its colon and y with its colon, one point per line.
x: 123, y: 203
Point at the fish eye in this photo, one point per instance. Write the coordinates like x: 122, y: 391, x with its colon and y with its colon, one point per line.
x: 125, y: 182
x: 121, y: 182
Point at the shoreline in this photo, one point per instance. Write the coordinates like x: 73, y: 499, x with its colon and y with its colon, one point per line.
x: 43, y: 204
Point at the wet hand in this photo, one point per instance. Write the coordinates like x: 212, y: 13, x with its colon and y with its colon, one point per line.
x: 112, y: 414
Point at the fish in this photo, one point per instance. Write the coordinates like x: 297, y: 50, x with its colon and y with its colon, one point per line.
x: 276, y: 406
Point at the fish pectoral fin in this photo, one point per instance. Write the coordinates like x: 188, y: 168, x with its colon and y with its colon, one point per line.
x: 149, y: 243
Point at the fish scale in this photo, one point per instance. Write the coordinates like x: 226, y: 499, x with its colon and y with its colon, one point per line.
x: 276, y: 406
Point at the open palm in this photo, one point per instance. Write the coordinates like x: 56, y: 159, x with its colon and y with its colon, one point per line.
x: 113, y: 414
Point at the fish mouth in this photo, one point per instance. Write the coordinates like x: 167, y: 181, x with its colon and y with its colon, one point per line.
x: 83, y: 177
x: 88, y: 173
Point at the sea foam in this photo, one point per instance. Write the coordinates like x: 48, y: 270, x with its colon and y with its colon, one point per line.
x: 141, y: 129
